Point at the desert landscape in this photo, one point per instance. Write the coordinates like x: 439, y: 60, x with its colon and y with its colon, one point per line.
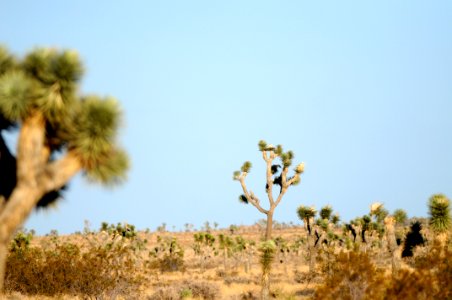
x: 335, y: 261
x: 314, y: 137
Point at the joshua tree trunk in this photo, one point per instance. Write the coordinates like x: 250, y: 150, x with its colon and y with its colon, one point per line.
x: 265, y: 281
x: 392, y: 244
x: 268, y: 231
x: 225, y: 258
x: 36, y: 175
x: 19, y: 206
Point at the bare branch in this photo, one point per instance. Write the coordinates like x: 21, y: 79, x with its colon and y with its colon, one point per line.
x: 251, y: 197
x: 281, y: 194
x: 293, y: 180
x: 270, y: 180
x: 58, y: 173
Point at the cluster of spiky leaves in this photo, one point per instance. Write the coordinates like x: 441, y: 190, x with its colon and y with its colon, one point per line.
x: 204, y: 238
x: 246, y: 168
x: 305, y: 212
x: 439, y: 210
x: 120, y: 229
x: 267, y: 251
x: 325, y: 212
x: 400, y: 216
x: 46, y: 81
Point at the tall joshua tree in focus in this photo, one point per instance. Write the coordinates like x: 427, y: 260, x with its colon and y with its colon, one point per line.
x: 59, y: 135
x: 277, y: 174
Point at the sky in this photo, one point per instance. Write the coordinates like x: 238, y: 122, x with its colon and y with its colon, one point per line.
x: 359, y: 90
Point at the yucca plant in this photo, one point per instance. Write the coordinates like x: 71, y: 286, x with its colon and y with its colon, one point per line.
x: 307, y: 214
x: 267, y: 251
x: 276, y: 174
x: 440, y: 219
x: 60, y: 133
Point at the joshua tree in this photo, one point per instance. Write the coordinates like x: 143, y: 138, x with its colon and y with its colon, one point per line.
x: 307, y: 214
x: 277, y: 174
x: 440, y: 220
x: 316, y: 235
x: 59, y: 134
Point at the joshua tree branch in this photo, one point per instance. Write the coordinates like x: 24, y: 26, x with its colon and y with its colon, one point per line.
x: 293, y: 179
x: 250, y: 196
x: 270, y: 181
x: 58, y: 173
x: 264, y: 156
x: 284, y: 177
x: 281, y: 194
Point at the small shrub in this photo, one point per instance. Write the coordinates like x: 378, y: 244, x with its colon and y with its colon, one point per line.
x: 198, y: 290
x: 21, y: 241
x: 166, y: 293
x: 350, y: 277
x: 168, y: 256
x: 202, y: 289
x: 186, y: 293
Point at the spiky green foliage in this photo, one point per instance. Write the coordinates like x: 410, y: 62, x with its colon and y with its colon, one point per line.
x: 7, y: 61
x: 46, y: 80
x: 322, y: 223
x: 246, y: 167
x: 98, y: 121
x: 236, y: 175
x: 262, y: 145
x: 267, y: 251
x: 305, y: 212
x: 335, y: 219
x: 400, y: 216
x: 16, y: 95
x: 50, y: 66
x: 109, y: 168
x: 439, y: 210
x: 56, y: 75
x: 365, y: 220
x: 286, y: 158
x: 325, y: 212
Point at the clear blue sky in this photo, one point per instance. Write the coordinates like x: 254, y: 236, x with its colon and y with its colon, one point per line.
x: 361, y: 91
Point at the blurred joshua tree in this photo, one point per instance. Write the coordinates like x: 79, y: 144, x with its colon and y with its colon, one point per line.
x: 393, y: 248
x: 400, y: 216
x: 277, y: 174
x: 440, y: 219
x: 318, y: 232
x: 59, y: 134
